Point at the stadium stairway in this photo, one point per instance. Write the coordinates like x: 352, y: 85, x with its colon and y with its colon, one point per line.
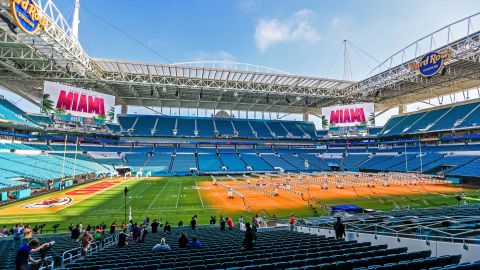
x: 9, y: 247
x: 273, y: 250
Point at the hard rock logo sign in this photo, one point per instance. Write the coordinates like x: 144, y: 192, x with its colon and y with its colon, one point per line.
x: 49, y: 203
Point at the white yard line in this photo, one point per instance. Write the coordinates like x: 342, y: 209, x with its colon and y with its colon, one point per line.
x: 133, y: 197
x: 198, y: 192
x: 179, y: 190
x: 159, y: 193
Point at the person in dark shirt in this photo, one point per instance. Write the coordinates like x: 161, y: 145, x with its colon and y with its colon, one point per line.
x: 222, y: 224
x: 154, y: 226
x: 135, y: 232
x: 75, y: 234
x: 250, y: 237
x: 23, y: 255
x: 193, y: 222
x: 122, y: 239
x: 113, y: 227
x: 167, y: 228
x: 183, y: 240
x: 180, y: 223
x: 194, y: 243
x: 339, y: 228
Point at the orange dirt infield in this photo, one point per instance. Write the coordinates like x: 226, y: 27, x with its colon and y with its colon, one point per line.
x: 257, y: 200
x: 60, y: 200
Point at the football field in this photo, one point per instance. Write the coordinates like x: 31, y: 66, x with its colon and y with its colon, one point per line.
x: 179, y: 198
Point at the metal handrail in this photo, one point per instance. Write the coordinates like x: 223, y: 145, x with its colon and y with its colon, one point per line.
x: 450, y: 238
x: 74, y: 254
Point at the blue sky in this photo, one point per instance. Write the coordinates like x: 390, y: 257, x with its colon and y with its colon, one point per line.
x: 298, y: 37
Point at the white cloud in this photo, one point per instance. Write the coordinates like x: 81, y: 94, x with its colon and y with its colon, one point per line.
x: 296, y: 28
x: 221, y: 56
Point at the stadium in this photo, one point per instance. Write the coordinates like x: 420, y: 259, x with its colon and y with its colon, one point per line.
x: 267, y: 169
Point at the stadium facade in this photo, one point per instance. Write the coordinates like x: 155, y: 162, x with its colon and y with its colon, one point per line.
x: 76, y: 142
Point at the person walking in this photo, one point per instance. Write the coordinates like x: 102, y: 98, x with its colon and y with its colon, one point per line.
x: 250, y: 237
x: 339, y: 228
x: 85, y: 242
x: 291, y: 222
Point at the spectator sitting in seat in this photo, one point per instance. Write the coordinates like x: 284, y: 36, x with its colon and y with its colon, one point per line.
x: 183, y: 240
x: 161, y: 247
x: 167, y: 228
x: 122, y: 239
x: 194, y: 243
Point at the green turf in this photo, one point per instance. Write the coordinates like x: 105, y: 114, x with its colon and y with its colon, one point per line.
x: 175, y: 198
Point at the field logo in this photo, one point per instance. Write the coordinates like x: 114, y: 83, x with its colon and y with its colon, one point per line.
x: 431, y: 63
x: 49, y: 203
x: 26, y: 15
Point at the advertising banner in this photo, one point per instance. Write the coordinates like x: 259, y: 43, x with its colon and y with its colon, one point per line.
x: 348, y: 115
x: 78, y: 102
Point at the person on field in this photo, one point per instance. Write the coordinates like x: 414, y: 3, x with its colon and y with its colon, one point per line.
x: 24, y: 254
x: 162, y: 246
x: 180, y: 223
x: 183, y: 241
x: 339, y: 228
x: 250, y: 237
x: 85, y: 242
